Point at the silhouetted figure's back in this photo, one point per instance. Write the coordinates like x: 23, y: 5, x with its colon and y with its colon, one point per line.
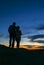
x: 18, y: 36
x: 12, y: 33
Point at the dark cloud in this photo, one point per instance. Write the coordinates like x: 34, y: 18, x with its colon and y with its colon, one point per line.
x: 41, y: 46
x: 35, y: 37
x: 30, y: 46
x: 39, y: 41
x: 40, y: 27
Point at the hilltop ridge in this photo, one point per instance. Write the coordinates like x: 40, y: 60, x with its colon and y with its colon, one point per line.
x: 20, y: 56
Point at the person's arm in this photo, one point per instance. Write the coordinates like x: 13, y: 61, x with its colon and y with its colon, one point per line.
x: 8, y: 29
x: 20, y: 32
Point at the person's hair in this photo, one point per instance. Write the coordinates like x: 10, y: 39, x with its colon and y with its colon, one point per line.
x: 18, y: 27
x: 14, y: 23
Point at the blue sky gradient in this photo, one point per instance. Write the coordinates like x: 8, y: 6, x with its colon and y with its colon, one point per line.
x: 28, y: 14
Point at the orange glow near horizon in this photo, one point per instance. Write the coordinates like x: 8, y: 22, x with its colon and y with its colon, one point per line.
x: 34, y: 45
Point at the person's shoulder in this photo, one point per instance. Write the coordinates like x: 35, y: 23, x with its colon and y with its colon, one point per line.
x: 10, y: 26
x: 20, y: 32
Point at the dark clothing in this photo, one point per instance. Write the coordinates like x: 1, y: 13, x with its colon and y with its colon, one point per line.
x: 18, y: 37
x: 11, y: 30
x: 12, y: 34
x: 11, y: 41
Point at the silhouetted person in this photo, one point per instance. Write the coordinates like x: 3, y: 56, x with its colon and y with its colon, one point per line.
x: 18, y: 36
x: 12, y: 33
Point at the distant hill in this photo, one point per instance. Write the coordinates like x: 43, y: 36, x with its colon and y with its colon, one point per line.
x: 20, y: 56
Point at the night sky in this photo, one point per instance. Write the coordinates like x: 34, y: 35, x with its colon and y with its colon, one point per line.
x: 28, y: 14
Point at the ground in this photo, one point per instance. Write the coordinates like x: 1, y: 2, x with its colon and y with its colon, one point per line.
x: 20, y: 56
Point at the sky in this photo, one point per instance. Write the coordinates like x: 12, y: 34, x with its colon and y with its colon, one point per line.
x: 28, y: 14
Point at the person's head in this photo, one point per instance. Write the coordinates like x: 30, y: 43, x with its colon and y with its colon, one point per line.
x: 14, y: 24
x: 18, y: 27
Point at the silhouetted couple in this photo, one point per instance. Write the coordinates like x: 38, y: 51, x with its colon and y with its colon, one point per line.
x: 14, y: 35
